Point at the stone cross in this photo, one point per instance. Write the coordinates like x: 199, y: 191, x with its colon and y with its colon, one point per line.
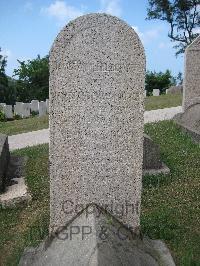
x: 191, y: 84
x: 97, y: 74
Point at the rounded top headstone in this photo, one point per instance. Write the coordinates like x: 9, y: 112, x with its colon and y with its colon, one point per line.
x: 90, y: 25
x: 97, y: 74
x: 97, y: 42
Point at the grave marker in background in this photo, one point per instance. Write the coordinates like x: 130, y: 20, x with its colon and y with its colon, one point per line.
x: 26, y: 110
x: 189, y: 120
x: 156, y: 92
x: 7, y: 109
x: 42, y: 108
x: 18, y: 109
x: 35, y: 106
x: 191, y: 84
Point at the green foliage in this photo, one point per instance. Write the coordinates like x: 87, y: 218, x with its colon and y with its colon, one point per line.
x: 33, y: 79
x: 7, y: 88
x: 2, y: 117
x: 3, y: 78
x: 179, y: 78
x: 183, y: 17
x: 160, y: 80
x: 33, y: 113
x: 17, y: 117
x: 3, y: 63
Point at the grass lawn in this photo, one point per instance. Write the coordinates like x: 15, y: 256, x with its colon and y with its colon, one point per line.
x: 28, y: 225
x: 162, y: 101
x: 24, y: 125
x: 170, y: 204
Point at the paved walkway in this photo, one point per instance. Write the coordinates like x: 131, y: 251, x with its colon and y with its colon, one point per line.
x: 161, y: 114
x: 28, y: 139
x: 42, y: 136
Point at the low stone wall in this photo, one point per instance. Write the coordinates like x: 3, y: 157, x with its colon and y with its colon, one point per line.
x: 4, y: 160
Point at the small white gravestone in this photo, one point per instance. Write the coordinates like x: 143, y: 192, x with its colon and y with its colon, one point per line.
x: 42, y: 108
x: 167, y: 91
x: 145, y: 93
x: 7, y: 109
x: 2, y: 105
x: 156, y: 92
x: 35, y: 106
x: 18, y: 109
x: 47, y: 104
x: 26, y: 110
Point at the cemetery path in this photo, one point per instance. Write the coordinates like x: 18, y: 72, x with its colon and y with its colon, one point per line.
x: 161, y: 114
x: 28, y: 139
x: 42, y: 136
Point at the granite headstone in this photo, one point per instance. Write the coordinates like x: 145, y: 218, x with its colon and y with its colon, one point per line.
x: 97, y: 74
x: 191, y: 84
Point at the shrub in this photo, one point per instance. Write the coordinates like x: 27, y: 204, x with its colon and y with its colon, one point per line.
x: 2, y: 117
x: 33, y: 113
x: 17, y: 117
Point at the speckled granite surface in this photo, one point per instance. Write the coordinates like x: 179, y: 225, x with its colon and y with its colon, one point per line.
x: 97, y: 73
x: 191, y: 85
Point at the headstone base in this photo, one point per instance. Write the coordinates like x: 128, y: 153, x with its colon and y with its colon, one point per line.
x: 97, y: 238
x: 152, y: 163
x: 16, y: 192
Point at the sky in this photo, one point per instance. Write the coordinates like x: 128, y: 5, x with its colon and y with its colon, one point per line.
x: 29, y: 27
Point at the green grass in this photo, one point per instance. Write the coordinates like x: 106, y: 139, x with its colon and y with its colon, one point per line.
x: 27, y: 226
x: 162, y: 101
x: 24, y: 125
x: 170, y: 204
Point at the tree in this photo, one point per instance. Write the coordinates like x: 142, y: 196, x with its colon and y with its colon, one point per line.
x: 7, y: 84
x: 33, y: 79
x: 3, y: 62
x: 161, y: 81
x: 179, y: 78
x: 3, y: 78
x: 183, y: 16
